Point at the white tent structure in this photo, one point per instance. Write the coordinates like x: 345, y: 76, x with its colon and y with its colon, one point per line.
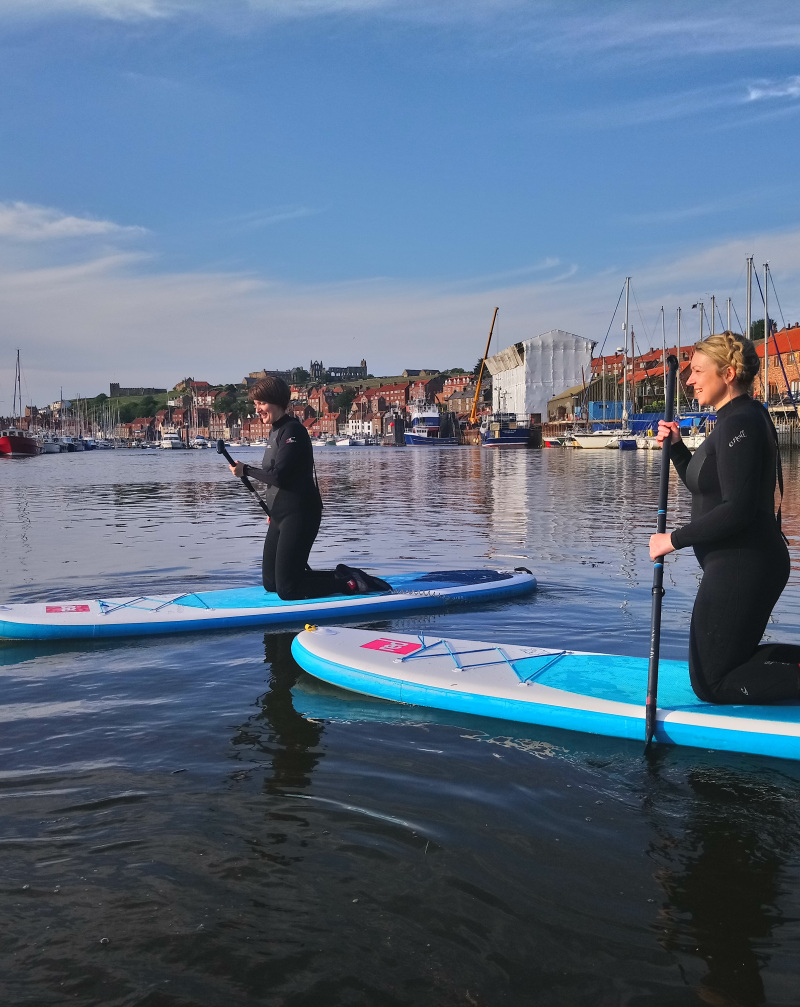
x: 528, y: 374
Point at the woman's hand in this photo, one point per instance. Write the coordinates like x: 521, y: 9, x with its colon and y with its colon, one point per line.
x: 670, y: 430
x: 237, y: 468
x: 661, y: 545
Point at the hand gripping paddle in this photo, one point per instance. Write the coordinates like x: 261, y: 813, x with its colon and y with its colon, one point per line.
x: 222, y: 450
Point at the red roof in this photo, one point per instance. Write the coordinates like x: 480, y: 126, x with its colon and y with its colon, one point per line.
x: 785, y: 341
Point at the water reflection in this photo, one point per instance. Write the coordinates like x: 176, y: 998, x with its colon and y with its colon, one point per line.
x: 723, y: 873
x: 290, y: 741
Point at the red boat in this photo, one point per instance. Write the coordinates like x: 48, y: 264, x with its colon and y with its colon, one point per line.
x: 15, y: 443
x: 18, y: 443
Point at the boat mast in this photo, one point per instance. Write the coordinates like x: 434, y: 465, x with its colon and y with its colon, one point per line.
x: 473, y: 416
x: 766, y: 336
x: 713, y: 310
x: 664, y: 345
x: 748, y: 318
x: 625, y: 356
x: 17, y: 389
x: 678, y: 382
x: 729, y: 314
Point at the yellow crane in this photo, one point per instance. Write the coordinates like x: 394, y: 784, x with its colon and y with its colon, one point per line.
x: 473, y: 416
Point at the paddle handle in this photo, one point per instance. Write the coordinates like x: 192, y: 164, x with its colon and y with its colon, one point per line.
x: 658, y: 566
x: 222, y: 450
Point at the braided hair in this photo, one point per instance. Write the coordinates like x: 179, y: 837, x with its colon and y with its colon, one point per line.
x: 727, y: 349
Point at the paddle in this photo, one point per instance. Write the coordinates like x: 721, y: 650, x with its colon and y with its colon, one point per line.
x: 222, y: 450
x: 658, y: 565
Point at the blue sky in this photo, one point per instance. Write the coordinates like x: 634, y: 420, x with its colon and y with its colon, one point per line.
x: 189, y: 187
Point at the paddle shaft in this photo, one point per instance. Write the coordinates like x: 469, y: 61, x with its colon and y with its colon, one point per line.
x: 658, y: 565
x: 222, y: 450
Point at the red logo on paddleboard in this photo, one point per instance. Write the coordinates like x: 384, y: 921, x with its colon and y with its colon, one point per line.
x: 67, y: 608
x: 391, y: 646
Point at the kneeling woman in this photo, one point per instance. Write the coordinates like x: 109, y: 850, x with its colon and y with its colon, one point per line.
x: 734, y: 532
x: 295, y: 506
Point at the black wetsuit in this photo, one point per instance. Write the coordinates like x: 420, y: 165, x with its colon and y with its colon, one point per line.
x: 295, y: 509
x: 738, y: 543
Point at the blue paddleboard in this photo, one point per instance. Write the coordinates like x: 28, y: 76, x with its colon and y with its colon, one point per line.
x: 250, y: 606
x: 596, y: 693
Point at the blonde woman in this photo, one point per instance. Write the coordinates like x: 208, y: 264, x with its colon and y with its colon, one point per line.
x: 734, y: 531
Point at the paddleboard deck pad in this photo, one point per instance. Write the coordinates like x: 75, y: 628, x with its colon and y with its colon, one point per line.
x: 594, y: 693
x: 250, y: 606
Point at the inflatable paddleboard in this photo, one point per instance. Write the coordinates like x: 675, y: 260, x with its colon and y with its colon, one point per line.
x: 596, y: 693
x: 251, y: 606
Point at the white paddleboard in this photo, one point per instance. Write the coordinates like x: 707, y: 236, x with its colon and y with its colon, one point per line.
x: 596, y: 693
x: 252, y: 606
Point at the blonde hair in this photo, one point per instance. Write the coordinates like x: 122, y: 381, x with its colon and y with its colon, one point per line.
x: 727, y: 349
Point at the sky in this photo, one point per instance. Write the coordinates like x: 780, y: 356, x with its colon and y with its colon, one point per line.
x: 205, y: 188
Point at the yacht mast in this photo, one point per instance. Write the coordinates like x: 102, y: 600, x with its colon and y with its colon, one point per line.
x: 766, y: 336
x: 678, y: 382
x: 748, y: 318
x: 625, y: 356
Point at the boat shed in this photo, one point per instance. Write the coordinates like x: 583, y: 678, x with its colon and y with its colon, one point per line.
x: 528, y: 374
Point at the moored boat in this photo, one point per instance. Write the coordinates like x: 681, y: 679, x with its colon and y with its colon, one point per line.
x: 505, y: 430
x: 170, y: 439
x: 426, y: 428
x: 16, y: 443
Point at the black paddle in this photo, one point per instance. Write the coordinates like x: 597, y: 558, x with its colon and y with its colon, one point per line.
x: 658, y: 565
x: 222, y: 450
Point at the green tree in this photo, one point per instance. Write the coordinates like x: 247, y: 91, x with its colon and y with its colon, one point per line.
x: 757, y: 330
x: 128, y: 412
x: 344, y: 400
x: 476, y: 370
x: 300, y: 376
x: 148, y: 406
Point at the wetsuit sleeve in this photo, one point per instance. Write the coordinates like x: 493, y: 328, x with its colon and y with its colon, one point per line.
x: 289, y: 460
x: 680, y: 456
x: 740, y: 456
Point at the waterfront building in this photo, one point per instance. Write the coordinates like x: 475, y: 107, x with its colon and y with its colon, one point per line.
x: 527, y: 374
x: 115, y: 391
x: 426, y: 389
x: 784, y: 348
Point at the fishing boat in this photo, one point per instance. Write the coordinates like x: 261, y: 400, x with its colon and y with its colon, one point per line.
x: 426, y: 427
x: 14, y: 442
x: 504, y: 430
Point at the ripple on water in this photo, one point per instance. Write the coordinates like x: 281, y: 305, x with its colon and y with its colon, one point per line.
x: 193, y: 821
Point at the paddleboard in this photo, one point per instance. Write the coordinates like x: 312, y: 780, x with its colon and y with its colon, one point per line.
x: 595, y: 693
x: 250, y: 606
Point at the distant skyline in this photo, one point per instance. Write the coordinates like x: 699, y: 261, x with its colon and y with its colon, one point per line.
x: 188, y: 187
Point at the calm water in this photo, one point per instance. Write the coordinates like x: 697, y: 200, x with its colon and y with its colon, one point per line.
x: 193, y: 821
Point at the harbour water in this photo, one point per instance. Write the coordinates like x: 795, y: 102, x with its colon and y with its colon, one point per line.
x: 194, y: 822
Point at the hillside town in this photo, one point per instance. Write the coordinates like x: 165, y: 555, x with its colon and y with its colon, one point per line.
x: 548, y: 385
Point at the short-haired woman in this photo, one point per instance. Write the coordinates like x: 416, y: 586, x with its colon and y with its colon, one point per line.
x: 735, y: 533
x: 295, y: 506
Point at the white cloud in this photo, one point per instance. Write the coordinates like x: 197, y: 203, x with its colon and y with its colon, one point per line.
x: 108, y: 319
x: 113, y: 9
x: 571, y: 30
x: 788, y: 88
x: 266, y: 218
x: 30, y: 223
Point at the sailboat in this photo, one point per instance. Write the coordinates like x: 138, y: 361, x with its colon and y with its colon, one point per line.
x: 620, y: 439
x: 16, y: 443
